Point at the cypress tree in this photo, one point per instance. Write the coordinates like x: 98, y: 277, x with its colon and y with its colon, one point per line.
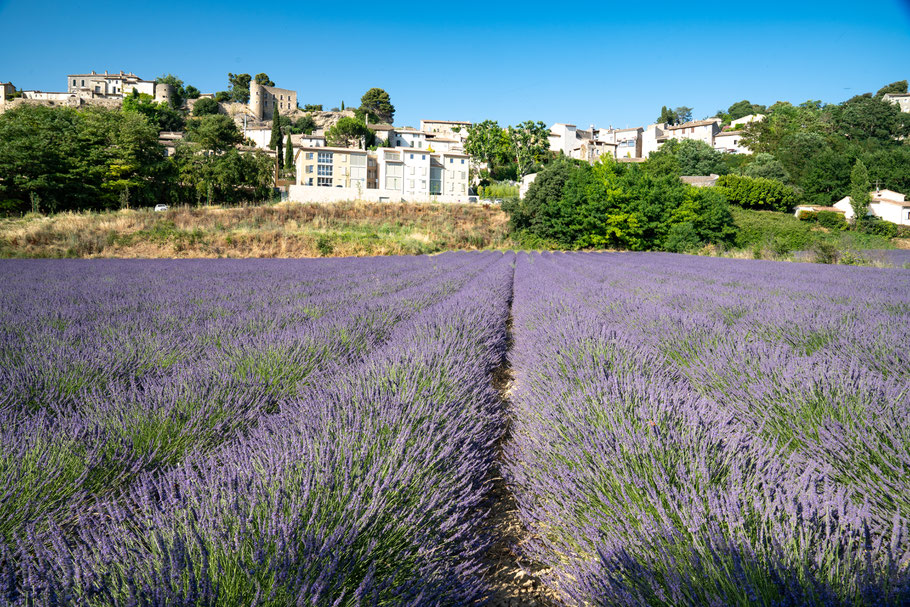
x: 275, y: 140
x: 289, y: 154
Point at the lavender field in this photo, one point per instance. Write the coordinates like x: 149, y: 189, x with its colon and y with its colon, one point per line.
x: 679, y: 430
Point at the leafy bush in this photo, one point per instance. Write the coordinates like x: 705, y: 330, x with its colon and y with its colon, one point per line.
x: 879, y: 227
x: 618, y: 205
x: 824, y: 252
x: 831, y: 220
x: 757, y: 193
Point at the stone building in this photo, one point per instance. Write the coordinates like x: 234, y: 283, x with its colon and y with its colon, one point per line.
x: 266, y: 100
x: 115, y: 86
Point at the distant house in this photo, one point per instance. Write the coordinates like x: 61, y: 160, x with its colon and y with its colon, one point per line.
x: 886, y: 204
x: 699, y: 130
x: 115, y: 86
x: 563, y: 138
x: 901, y: 100
x: 329, y: 174
x: 453, y: 129
x: 653, y: 137
x: 700, y: 181
x: 730, y: 142
x: 746, y: 120
x: 628, y: 141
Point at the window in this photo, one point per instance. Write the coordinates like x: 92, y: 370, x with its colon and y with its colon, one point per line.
x: 309, y: 181
x: 74, y: 82
x: 423, y: 157
x: 83, y: 83
x: 309, y: 168
x: 423, y: 171
x: 324, y: 181
x: 411, y: 170
x: 309, y: 155
x: 412, y: 156
x: 462, y: 161
x: 358, y: 161
x: 410, y: 184
x: 324, y: 158
x: 325, y: 170
x: 392, y: 183
x: 451, y: 161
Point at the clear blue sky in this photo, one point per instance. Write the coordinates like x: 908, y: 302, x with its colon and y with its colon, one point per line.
x: 611, y: 63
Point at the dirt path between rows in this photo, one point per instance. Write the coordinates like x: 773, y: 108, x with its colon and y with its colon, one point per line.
x: 514, y: 580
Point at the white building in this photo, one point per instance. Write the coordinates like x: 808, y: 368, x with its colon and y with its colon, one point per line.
x: 746, y: 120
x: 115, y: 86
x: 628, y: 141
x: 886, y: 204
x: 698, y: 130
x: 652, y: 138
x: 730, y: 142
x: 563, y: 138
x: 327, y: 174
x: 901, y: 100
x: 408, y: 138
x: 453, y: 129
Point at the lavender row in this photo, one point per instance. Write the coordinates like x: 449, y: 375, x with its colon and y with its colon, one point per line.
x: 102, y: 379
x: 701, y: 431
x: 364, y: 488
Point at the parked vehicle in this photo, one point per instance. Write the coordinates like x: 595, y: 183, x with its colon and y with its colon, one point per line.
x: 160, y: 207
x: 473, y: 199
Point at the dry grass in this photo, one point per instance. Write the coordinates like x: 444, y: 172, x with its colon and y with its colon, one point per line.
x: 284, y: 230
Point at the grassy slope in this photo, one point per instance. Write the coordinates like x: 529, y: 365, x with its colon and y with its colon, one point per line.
x: 286, y: 230
x: 782, y: 232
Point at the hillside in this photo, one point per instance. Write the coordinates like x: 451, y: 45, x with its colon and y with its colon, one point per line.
x: 284, y: 230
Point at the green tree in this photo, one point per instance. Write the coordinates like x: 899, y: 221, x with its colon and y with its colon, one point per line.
x: 73, y: 159
x: 239, y: 87
x: 667, y: 116
x: 205, y: 107
x: 692, y: 157
x: 312, y: 107
x: 899, y: 88
x: 683, y: 114
x: 742, y: 108
x: 263, y: 79
x: 305, y: 124
x: 289, y: 154
x: 377, y: 104
x: 528, y: 143
x: 486, y: 142
x: 223, y: 96
x: 160, y: 114
x: 216, y: 133
x: 275, y: 140
x: 859, y: 192
x: 349, y: 133
x: 342, y: 105
x: 864, y: 117
x: 766, y: 166
x: 191, y: 92
x: 181, y: 92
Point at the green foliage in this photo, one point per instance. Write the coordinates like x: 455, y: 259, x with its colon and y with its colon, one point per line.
x: 205, y: 107
x: 741, y: 109
x: 899, y: 88
x: 864, y: 117
x: 859, y: 192
x: 275, y: 141
x: 239, y: 87
x: 161, y: 114
x: 757, y: 193
x: 782, y: 233
x: 766, y: 166
x: 263, y: 79
x: 349, y: 133
x: 879, y: 227
x: 498, y: 190
x: 377, y: 104
x: 528, y: 145
x: 58, y: 158
x: 486, y: 142
x: 831, y: 220
x: 304, y: 124
x: 690, y: 157
x: 181, y: 92
x: 223, y: 96
x: 228, y: 176
x: 678, y: 115
x: 312, y: 107
x: 214, y: 132
x: 289, y: 154
x: 613, y: 205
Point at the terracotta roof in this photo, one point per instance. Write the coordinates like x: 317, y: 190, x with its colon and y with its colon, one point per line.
x: 728, y: 133
x: 694, y: 123
x: 815, y: 207
x: 446, y: 121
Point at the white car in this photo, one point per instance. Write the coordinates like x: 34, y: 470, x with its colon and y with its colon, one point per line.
x: 160, y: 207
